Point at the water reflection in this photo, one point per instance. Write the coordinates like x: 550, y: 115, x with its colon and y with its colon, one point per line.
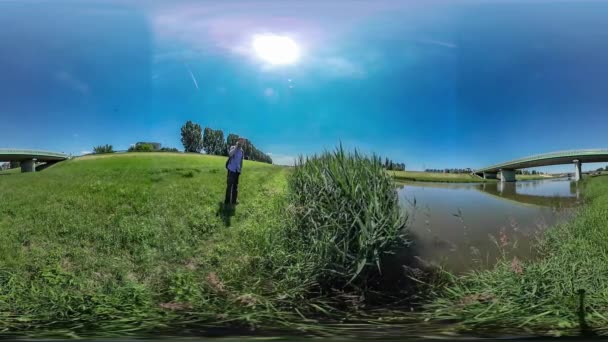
x: 552, y: 193
x: 462, y: 226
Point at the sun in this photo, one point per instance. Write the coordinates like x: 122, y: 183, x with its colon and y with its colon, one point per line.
x: 276, y: 49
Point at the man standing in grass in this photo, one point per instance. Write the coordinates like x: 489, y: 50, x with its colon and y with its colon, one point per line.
x: 234, y: 166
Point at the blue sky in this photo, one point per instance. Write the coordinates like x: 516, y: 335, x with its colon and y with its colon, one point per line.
x: 433, y: 84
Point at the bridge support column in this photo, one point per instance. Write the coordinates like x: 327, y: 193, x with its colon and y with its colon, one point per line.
x: 507, y: 175
x: 489, y: 175
x: 577, y: 170
x: 28, y: 165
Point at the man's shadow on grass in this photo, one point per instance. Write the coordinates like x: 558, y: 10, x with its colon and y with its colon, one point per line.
x: 226, y: 211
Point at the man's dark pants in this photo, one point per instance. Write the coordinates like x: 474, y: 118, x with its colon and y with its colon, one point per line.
x: 232, y: 187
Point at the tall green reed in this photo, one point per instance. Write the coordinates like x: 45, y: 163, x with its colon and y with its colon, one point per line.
x: 346, y: 211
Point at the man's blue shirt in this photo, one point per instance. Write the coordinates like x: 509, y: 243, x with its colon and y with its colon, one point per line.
x: 236, y: 161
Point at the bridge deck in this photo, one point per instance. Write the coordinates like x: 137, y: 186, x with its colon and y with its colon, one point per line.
x: 553, y: 158
x: 21, y: 155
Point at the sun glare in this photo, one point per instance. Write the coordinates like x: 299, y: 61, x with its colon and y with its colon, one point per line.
x: 276, y: 49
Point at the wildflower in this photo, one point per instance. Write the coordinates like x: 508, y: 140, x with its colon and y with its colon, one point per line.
x: 516, y: 266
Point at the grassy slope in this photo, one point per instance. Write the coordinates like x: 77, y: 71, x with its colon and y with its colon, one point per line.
x: 10, y: 171
x: 117, y: 237
x: 542, y: 294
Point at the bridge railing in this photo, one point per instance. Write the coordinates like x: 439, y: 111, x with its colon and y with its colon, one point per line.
x: 569, y: 153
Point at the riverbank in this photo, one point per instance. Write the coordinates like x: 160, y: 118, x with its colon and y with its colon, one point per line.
x: 542, y: 296
x: 421, y: 176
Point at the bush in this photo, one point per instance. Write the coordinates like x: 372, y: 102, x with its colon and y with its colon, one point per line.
x: 346, y: 210
x: 103, y: 149
x: 141, y: 148
x: 168, y: 149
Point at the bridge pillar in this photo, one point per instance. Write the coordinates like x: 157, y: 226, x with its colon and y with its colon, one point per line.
x: 507, y: 175
x: 28, y: 165
x: 489, y: 175
x: 577, y: 170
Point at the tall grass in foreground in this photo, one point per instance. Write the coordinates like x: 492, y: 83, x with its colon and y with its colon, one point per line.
x: 346, y: 213
x: 564, y: 291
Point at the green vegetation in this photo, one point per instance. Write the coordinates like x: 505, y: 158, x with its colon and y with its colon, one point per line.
x: 103, y: 149
x: 391, y: 165
x: 346, y: 208
x: 192, y: 137
x: 251, y: 152
x: 544, y: 294
x: 141, y: 147
x: 532, y: 177
x: 10, y: 171
x: 419, y: 176
x: 112, y: 244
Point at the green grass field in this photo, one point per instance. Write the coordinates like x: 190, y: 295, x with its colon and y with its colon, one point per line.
x: 544, y: 295
x: 127, y: 241
x: 10, y: 171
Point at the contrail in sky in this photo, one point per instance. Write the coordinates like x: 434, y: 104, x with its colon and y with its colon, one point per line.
x: 193, y: 78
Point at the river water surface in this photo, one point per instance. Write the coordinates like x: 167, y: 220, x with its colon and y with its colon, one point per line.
x: 465, y: 226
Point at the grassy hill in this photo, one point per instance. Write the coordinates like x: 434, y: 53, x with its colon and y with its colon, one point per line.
x: 139, y: 238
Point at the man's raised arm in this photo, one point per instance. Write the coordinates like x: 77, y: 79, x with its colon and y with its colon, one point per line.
x: 231, y: 151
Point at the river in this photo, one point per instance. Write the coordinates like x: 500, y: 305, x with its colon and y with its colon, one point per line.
x: 466, y: 226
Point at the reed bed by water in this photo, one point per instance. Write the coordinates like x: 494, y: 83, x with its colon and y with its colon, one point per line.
x: 564, y: 291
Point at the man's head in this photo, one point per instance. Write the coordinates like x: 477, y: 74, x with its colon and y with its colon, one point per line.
x: 240, y: 142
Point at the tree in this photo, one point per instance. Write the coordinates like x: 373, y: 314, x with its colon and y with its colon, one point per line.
x: 219, y: 146
x: 192, y: 137
x: 207, y: 137
x: 231, y: 140
x: 141, y: 147
x: 103, y: 149
x: 15, y: 164
x: 213, y: 142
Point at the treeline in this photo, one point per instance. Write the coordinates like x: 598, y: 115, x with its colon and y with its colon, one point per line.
x: 148, y: 147
x: 138, y: 147
x: 528, y: 172
x: 251, y: 152
x: 212, y: 141
x: 467, y: 170
x: 391, y: 165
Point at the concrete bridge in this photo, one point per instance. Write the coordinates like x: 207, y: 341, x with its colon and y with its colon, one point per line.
x: 29, y: 158
x: 506, y: 171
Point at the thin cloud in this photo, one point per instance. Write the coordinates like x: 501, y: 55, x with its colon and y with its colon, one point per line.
x: 441, y: 43
x: 342, y: 67
x: 72, y: 82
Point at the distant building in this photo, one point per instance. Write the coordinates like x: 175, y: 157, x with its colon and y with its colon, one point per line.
x: 155, y: 146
